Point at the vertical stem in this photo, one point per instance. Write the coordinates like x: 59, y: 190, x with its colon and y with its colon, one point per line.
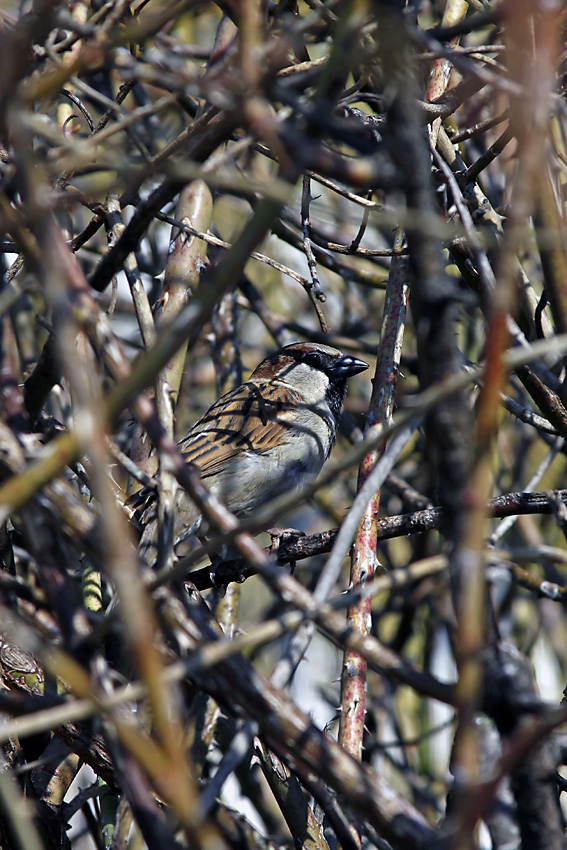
x: 18, y: 811
x: 228, y: 367
x: 183, y: 269
x: 532, y: 50
x: 353, y: 679
x: 454, y: 12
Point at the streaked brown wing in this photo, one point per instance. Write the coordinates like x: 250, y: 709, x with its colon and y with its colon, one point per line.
x: 253, y: 417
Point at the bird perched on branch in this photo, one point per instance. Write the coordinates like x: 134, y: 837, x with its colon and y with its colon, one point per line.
x: 269, y: 435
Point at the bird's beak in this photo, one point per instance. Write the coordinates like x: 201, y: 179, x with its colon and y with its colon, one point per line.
x: 347, y: 366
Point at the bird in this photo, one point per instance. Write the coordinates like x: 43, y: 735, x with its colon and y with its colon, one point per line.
x: 269, y: 435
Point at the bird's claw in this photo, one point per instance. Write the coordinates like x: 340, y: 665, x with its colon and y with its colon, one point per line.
x: 280, y: 534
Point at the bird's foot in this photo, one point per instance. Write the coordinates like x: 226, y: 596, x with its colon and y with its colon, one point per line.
x: 280, y: 535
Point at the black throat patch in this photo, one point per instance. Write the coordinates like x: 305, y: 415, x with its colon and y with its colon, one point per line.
x: 335, y: 395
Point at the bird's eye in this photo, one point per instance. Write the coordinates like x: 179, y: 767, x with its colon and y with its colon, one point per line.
x: 313, y: 359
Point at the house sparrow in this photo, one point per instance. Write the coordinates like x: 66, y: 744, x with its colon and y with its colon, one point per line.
x: 268, y: 436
